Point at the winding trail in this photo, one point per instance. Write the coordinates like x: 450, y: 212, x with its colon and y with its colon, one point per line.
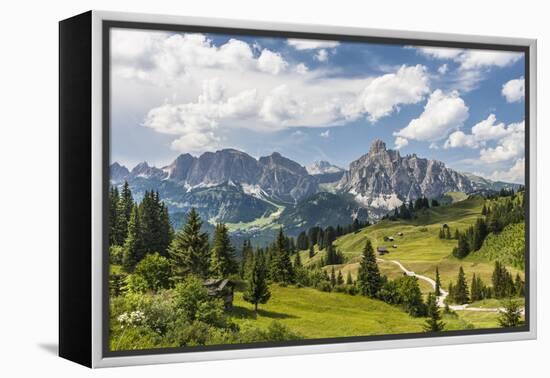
x: 444, y: 294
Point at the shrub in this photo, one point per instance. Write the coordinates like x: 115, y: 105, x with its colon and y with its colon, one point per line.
x: 115, y: 254
x: 154, y: 269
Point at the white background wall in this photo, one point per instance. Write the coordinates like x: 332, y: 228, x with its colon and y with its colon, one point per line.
x: 28, y: 197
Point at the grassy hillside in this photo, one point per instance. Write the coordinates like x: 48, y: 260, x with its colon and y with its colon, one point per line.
x: 420, y: 249
x: 316, y: 314
x: 508, y: 247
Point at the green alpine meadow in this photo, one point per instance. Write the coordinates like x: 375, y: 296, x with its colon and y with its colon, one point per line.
x: 269, y: 191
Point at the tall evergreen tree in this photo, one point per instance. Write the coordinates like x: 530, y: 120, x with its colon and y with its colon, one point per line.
x: 281, y: 266
x: 461, y: 289
x: 511, y: 316
x: 332, y: 277
x: 349, y: 279
x: 189, y: 250
x: 311, y: 251
x: 437, y: 290
x: 368, y: 276
x: 433, y: 323
x: 257, y: 291
x: 519, y: 286
x: 125, y: 205
x: 114, y: 199
x: 339, y: 278
x: 247, y: 259
x: 133, y: 246
x: 166, y: 230
x: 224, y: 261
x: 297, y: 261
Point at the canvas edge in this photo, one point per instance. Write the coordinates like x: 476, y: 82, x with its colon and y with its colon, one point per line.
x: 98, y: 360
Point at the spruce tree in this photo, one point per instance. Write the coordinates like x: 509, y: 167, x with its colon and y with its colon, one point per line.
x: 114, y: 199
x: 133, y: 246
x: 519, y: 286
x: 166, y: 230
x: 224, y: 261
x: 433, y: 323
x: 368, y: 276
x: 311, y: 251
x: 448, y: 233
x: 189, y: 250
x: 257, y: 291
x: 332, y: 277
x: 247, y: 259
x: 437, y: 290
x: 125, y: 205
x: 297, y: 261
x: 461, y: 289
x: 281, y: 266
x: 511, y: 316
x: 349, y: 279
x: 340, y: 278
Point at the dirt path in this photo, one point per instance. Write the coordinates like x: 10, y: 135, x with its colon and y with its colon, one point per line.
x: 444, y: 294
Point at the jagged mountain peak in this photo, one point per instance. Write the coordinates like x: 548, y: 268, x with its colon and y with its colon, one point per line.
x: 377, y: 146
x: 320, y: 167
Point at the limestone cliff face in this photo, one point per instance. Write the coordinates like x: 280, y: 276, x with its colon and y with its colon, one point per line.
x: 382, y: 178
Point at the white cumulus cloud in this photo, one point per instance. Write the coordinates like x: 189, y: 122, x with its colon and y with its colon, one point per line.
x: 443, y: 113
x: 514, y: 90
x: 384, y: 94
x: 322, y: 55
x: 311, y: 44
x: 400, y: 142
x: 516, y: 173
x: 271, y: 62
x: 483, y: 131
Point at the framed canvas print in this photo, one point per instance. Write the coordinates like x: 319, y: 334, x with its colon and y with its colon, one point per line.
x: 234, y: 189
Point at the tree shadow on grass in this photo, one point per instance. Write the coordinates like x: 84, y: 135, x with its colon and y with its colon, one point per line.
x: 248, y: 313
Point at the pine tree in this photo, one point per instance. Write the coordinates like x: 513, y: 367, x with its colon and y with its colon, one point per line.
x: 281, y: 266
x: 311, y: 251
x: 247, y: 259
x: 519, y: 286
x: 332, y: 277
x: 433, y: 323
x: 114, y: 199
x: 461, y: 289
x: 448, y: 233
x: 349, y: 279
x: 297, y: 261
x: 133, y: 246
x: 257, y: 291
x: 368, y: 276
x: 149, y: 223
x: 189, y: 250
x: 477, y: 289
x: 125, y: 205
x: 224, y: 260
x: 166, y: 230
x: 340, y: 278
x: 437, y: 290
x: 511, y: 316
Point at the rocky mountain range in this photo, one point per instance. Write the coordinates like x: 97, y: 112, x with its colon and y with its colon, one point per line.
x: 231, y: 186
x: 384, y: 179
x: 325, y: 172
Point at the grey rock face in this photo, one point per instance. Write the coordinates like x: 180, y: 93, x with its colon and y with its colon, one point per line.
x: 383, y: 178
x: 119, y: 172
x: 279, y: 177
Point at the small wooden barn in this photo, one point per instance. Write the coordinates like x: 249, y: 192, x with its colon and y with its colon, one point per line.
x: 382, y: 250
x: 221, y: 288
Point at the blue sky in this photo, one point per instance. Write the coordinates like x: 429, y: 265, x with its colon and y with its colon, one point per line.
x: 310, y: 100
